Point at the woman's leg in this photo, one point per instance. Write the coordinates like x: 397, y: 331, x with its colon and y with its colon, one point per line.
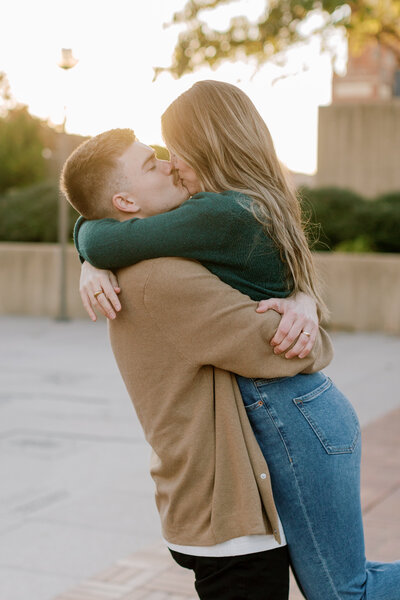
x: 310, y: 437
x: 258, y: 576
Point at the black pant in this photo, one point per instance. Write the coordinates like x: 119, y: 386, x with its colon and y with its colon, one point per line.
x: 258, y: 576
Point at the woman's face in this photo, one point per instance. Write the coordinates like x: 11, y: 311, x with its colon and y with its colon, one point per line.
x: 187, y: 176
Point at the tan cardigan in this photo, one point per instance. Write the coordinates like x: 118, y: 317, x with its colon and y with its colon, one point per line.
x: 179, y: 337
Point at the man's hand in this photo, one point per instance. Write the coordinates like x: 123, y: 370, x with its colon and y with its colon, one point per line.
x: 299, y: 322
x: 98, y: 289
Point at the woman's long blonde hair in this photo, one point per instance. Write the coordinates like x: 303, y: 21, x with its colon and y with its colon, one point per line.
x: 216, y: 129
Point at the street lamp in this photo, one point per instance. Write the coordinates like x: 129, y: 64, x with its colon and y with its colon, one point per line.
x: 67, y: 62
x: 67, y: 59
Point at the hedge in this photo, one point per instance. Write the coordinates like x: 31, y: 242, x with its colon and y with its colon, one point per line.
x: 30, y: 214
x: 336, y: 219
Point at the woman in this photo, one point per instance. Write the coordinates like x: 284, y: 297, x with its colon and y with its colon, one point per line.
x: 306, y: 428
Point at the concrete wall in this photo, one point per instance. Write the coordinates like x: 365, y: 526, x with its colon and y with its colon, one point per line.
x: 362, y: 290
x: 29, y: 280
x: 359, y: 147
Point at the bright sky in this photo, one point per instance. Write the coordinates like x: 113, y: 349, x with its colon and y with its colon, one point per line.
x: 118, y: 43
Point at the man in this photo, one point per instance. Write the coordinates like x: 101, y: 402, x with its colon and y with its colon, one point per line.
x: 181, y: 335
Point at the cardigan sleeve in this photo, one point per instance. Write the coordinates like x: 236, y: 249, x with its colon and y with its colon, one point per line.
x: 190, y: 231
x: 208, y: 322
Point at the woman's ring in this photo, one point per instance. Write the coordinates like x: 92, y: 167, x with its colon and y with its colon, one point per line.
x: 306, y: 333
x: 101, y: 292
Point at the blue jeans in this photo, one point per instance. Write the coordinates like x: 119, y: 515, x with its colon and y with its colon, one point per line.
x: 310, y: 437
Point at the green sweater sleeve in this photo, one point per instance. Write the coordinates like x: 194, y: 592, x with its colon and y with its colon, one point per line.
x: 196, y: 230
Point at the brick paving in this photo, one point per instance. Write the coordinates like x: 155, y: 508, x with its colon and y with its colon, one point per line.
x: 152, y: 575
x: 381, y: 488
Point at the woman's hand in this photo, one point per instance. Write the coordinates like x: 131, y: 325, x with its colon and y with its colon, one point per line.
x: 299, y: 322
x: 98, y: 289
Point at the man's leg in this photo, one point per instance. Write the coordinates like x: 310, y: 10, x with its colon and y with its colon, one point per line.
x: 258, y: 576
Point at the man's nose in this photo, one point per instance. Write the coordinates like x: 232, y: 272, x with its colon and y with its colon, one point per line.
x: 166, y: 166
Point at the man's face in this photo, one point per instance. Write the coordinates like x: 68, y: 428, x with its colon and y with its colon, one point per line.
x: 150, y: 182
x: 186, y: 174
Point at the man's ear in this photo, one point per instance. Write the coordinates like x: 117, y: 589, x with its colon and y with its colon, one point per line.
x: 125, y: 203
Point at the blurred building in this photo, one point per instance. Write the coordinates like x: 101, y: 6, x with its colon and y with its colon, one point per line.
x: 359, y: 133
x: 59, y: 146
x: 370, y: 77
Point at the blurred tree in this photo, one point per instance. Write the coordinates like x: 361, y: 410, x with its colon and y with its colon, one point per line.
x: 161, y: 152
x: 6, y: 99
x: 283, y: 24
x: 21, y: 148
x: 30, y: 214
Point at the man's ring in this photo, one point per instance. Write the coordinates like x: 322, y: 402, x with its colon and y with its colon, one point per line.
x: 101, y: 292
x: 306, y: 333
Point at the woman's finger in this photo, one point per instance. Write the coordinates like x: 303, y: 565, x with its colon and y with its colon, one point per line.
x: 291, y: 337
x: 294, y: 336
x: 302, y: 347
x: 87, y: 305
x: 111, y: 296
x: 283, y: 330
x: 114, y: 281
x: 305, y: 342
x: 313, y: 329
x: 104, y: 306
x: 271, y: 303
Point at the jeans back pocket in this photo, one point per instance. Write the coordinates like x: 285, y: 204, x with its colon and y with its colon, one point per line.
x: 331, y: 416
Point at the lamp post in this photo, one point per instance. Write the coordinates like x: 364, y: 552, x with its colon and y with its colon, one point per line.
x: 66, y: 63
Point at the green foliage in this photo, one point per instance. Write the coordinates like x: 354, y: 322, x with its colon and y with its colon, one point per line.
x: 21, y: 147
x: 335, y: 211
x: 161, y: 152
x: 337, y: 219
x: 362, y: 243
x: 383, y: 222
x: 349, y: 223
x: 280, y: 26
x: 30, y: 214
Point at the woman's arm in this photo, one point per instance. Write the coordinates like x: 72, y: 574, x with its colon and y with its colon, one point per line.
x: 190, y: 231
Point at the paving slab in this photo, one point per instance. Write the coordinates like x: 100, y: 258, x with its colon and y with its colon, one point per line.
x: 17, y: 583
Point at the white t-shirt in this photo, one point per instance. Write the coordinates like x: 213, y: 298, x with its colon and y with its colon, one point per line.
x: 247, y: 544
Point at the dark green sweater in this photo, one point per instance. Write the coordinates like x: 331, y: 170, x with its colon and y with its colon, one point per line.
x: 215, y: 229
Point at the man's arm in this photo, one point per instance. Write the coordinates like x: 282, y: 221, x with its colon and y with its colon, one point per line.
x: 209, y: 322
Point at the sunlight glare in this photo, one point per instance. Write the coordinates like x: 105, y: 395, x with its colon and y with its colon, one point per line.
x: 118, y: 44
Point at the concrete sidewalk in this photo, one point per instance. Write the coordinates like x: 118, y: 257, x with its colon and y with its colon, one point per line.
x: 76, y: 498
x: 152, y: 575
